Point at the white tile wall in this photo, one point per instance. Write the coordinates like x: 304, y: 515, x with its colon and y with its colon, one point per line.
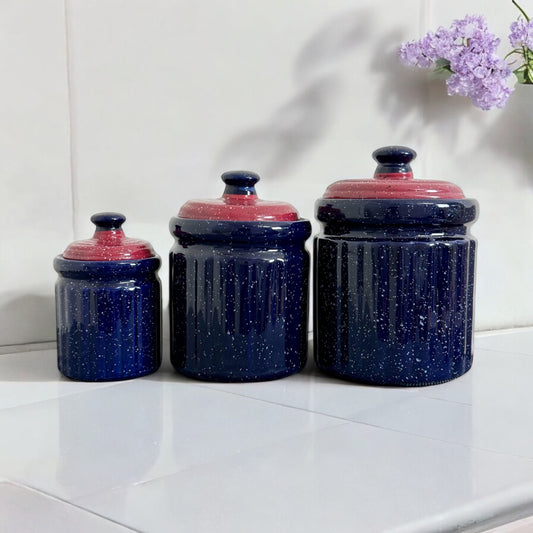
x: 167, y: 94
x: 35, y: 193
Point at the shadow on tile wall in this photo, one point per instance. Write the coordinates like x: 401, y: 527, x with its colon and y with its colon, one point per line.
x: 511, y: 135
x: 301, y: 121
x: 408, y: 91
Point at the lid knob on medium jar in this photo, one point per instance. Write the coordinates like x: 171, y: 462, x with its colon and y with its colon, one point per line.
x: 394, y: 162
x: 240, y: 182
x: 108, y: 221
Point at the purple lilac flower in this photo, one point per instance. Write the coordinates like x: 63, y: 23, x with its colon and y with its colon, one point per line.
x: 469, y: 51
x: 412, y: 53
x: 470, y: 27
x: 521, y: 34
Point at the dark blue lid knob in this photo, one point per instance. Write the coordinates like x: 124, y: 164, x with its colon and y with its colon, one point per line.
x: 108, y: 221
x: 393, y: 160
x: 240, y: 182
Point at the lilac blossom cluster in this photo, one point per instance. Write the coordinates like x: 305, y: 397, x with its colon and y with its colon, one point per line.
x: 521, y: 34
x: 521, y: 38
x: 468, y: 51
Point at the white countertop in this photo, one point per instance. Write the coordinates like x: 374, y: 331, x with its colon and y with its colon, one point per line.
x: 306, y: 453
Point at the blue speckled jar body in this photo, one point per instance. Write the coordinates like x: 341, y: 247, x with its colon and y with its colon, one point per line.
x: 238, y: 299
x: 394, y: 290
x: 108, y: 318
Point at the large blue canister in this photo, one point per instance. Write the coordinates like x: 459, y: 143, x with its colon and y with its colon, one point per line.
x: 394, y: 272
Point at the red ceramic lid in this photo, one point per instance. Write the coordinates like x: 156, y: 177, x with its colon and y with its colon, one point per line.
x: 393, y: 179
x: 239, y: 202
x: 108, y: 242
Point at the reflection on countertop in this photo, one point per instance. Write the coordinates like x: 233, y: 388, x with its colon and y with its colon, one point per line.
x: 166, y: 453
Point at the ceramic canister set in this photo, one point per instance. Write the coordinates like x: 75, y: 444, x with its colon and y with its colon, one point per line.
x: 393, y: 286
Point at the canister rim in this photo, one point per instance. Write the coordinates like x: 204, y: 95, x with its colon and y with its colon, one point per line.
x: 89, y: 268
x: 234, y: 231
x: 397, y: 212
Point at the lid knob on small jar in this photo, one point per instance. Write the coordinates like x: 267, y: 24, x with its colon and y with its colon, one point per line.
x: 240, y: 182
x: 393, y: 163
x: 108, y: 221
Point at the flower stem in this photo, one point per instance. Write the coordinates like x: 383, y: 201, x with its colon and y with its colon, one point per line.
x: 521, y: 10
x: 515, y: 51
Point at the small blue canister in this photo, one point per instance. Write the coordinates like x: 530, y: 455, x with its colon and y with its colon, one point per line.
x: 238, y: 286
x: 394, y: 277
x: 108, y: 305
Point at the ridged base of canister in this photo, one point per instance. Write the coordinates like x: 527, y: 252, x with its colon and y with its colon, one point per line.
x: 357, y: 379
x: 238, y: 315
x: 228, y: 378
x: 388, y: 313
x: 89, y: 377
x: 107, y: 330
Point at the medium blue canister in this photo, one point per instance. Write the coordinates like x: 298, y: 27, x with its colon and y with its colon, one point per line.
x: 394, y: 277
x: 108, y: 305
x: 238, y: 286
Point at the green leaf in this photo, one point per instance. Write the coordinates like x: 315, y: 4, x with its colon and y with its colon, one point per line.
x: 521, y: 76
x: 442, y: 64
x: 515, y: 51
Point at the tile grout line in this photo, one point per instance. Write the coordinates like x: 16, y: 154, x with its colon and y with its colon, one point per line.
x: 423, y: 24
x: 493, y: 332
x: 70, y: 104
x: 66, y: 502
x: 203, y: 464
x: 437, y: 399
x: 444, y: 441
x: 107, y: 385
x: 376, y: 426
x: 25, y: 348
x: 342, y: 423
x: 507, y: 351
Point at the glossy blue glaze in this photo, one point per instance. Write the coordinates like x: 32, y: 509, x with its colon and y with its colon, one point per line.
x: 108, y: 318
x: 394, y: 290
x: 238, y: 298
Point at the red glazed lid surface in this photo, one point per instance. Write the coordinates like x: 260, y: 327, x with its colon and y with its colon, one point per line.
x: 108, y: 242
x: 393, y: 179
x: 239, y: 202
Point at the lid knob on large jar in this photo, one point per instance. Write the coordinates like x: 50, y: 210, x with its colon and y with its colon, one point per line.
x: 240, y: 182
x: 394, y: 163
